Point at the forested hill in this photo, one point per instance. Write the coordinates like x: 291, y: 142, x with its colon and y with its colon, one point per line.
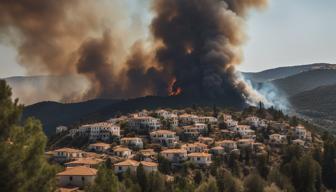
x: 319, y: 102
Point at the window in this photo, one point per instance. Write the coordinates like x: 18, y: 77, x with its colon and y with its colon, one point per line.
x: 70, y: 178
x: 83, y: 178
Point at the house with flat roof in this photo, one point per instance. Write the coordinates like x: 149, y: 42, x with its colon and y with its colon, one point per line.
x: 200, y: 158
x: 99, y: 147
x: 67, y: 154
x: 175, y: 155
x: 122, y: 152
x: 132, y: 142
x: 164, y: 137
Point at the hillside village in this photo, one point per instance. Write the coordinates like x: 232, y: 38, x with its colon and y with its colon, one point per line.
x: 167, y: 140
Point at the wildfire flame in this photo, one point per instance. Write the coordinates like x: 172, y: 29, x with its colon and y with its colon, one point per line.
x: 172, y: 90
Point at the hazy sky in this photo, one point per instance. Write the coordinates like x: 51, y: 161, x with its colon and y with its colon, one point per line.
x: 288, y: 32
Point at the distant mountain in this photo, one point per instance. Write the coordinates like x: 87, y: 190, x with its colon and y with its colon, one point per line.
x: 319, y: 104
x: 321, y: 101
x: 283, y: 72
x: 306, y: 81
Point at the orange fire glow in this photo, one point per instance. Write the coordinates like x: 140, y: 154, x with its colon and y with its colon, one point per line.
x: 172, y: 91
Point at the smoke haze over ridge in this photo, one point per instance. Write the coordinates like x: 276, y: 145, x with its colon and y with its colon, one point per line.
x: 196, y: 43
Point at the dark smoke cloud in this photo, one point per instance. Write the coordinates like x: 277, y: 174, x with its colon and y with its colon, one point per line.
x: 201, y: 44
x: 195, y: 44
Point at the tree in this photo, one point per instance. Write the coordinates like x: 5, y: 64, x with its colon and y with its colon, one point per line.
x: 105, y: 181
x: 329, y: 165
x: 229, y: 183
x: 209, y: 186
x: 310, y: 175
x: 254, y: 183
x: 276, y: 177
x: 141, y: 177
x: 198, y: 177
x: 262, y: 165
x: 155, y: 182
x: 22, y: 146
x: 164, y: 165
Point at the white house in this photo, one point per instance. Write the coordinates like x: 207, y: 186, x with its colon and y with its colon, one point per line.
x: 245, y: 131
x: 80, y: 176
x: 171, y: 117
x: 61, y: 129
x: 123, y: 166
x: 207, y: 120
x: 252, y: 120
x: 100, y: 131
x: 228, y: 145
x: 175, y: 155
x: 195, y: 130
x: 195, y: 147
x: 67, y: 154
x: 122, y: 152
x: 73, y: 132
x: 132, y: 165
x: 231, y: 123
x: 164, y: 137
x: 147, y: 154
x: 99, y: 147
x: 301, y: 133
x: 187, y: 119
x: 149, y: 166
x: 277, y: 139
x: 200, y: 158
x: 143, y: 123
x: 132, y: 142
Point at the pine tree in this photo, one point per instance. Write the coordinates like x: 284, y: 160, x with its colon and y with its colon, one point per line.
x: 209, y: 186
x: 254, y: 183
x: 156, y: 182
x: 198, y: 177
x: 329, y: 165
x: 22, y: 162
x: 105, y: 181
x: 141, y: 177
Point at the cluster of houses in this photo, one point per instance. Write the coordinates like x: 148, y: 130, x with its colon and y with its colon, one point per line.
x: 159, y: 134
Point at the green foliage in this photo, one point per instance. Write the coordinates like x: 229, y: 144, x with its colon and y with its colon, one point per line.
x: 328, y: 163
x: 254, y: 183
x: 164, y: 165
x: 276, y: 177
x: 227, y: 183
x: 22, y: 162
x: 155, y: 182
x: 198, y: 177
x: 305, y: 174
x: 208, y: 186
x: 105, y: 181
x: 262, y: 165
x: 141, y: 177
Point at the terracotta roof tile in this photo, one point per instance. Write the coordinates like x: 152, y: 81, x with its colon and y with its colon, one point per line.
x: 78, y: 171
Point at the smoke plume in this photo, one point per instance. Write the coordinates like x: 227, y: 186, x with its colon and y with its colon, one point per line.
x: 191, y: 47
